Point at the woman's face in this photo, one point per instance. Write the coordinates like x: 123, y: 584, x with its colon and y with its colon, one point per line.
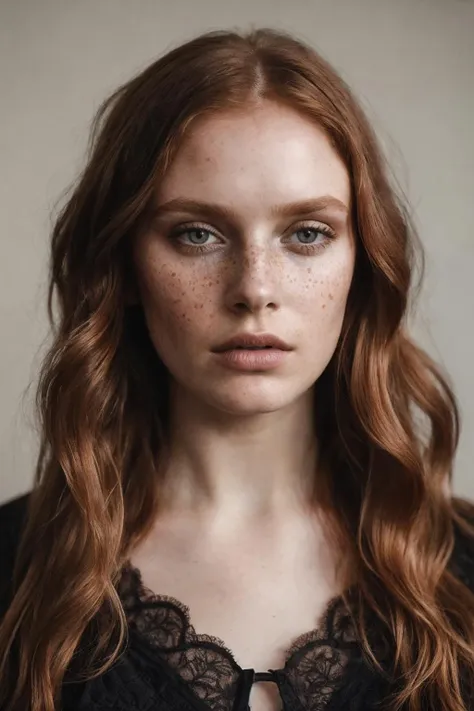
x: 249, y: 263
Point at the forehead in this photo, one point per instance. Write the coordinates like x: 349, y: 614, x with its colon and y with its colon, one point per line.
x: 268, y: 153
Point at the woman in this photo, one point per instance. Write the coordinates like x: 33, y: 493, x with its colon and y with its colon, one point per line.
x: 243, y: 491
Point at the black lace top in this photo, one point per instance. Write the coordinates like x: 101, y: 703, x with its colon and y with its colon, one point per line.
x: 312, y: 671
x: 166, y: 666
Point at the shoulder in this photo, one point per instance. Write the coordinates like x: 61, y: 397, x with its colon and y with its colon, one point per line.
x: 12, y: 518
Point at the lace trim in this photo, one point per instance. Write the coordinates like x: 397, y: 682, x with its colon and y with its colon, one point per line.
x: 313, y: 667
x: 171, y: 619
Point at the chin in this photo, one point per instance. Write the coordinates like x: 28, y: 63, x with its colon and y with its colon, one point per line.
x: 251, y: 398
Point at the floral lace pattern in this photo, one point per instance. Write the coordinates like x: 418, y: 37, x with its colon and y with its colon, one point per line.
x: 324, y: 669
x: 314, y: 664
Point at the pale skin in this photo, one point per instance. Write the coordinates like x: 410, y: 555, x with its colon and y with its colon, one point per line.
x: 238, y: 542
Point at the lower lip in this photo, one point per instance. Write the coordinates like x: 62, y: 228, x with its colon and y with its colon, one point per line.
x: 242, y: 359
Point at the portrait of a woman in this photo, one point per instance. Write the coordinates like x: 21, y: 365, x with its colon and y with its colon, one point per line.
x: 243, y: 492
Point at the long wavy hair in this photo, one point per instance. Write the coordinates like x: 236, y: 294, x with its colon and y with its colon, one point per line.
x: 391, y: 423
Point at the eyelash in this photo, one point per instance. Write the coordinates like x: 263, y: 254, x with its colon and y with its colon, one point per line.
x: 305, y: 248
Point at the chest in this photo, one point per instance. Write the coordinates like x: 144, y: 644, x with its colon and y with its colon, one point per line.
x: 256, y: 598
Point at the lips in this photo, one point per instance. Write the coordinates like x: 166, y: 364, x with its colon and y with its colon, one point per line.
x: 252, y: 360
x: 253, y: 341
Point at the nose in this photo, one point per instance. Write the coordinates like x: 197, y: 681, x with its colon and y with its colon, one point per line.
x: 254, y: 281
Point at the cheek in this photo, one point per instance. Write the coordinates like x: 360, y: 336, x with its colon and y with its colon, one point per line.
x: 175, y: 304
x: 325, y: 295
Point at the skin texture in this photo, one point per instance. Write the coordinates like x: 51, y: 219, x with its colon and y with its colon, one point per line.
x: 245, y: 441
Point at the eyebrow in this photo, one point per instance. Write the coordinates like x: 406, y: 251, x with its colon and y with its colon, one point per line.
x: 301, y: 207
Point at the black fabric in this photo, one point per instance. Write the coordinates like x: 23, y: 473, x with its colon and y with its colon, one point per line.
x: 165, y: 665
x: 12, y: 515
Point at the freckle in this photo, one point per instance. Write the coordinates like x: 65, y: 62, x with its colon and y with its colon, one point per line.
x: 324, y: 306
x: 331, y: 297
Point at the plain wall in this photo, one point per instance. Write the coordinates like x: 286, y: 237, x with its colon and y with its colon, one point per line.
x: 410, y: 61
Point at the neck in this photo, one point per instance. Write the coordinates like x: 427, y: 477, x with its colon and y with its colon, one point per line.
x: 240, y: 468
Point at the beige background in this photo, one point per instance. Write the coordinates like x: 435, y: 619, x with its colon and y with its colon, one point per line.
x: 411, y: 62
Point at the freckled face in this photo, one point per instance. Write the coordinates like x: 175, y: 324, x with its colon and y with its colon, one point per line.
x: 204, y: 277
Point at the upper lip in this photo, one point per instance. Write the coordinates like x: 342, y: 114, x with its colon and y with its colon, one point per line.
x: 253, y: 339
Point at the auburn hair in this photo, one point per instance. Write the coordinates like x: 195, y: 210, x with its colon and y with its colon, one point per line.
x: 391, y: 422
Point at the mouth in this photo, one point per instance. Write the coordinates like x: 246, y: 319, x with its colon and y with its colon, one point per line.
x: 253, y: 342
x: 254, y: 359
x: 251, y: 348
